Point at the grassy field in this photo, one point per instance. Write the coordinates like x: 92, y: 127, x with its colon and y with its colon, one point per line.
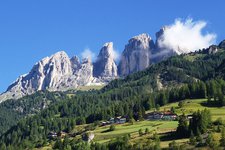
x: 86, y: 88
x: 102, y: 136
x: 91, y: 87
x: 192, y: 105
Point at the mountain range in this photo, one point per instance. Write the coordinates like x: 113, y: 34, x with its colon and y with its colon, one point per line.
x: 185, y: 76
x: 60, y: 73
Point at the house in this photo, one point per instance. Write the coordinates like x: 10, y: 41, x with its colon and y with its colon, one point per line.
x: 166, y: 115
x: 52, y: 135
x: 189, y: 117
x: 112, y: 120
x: 104, y: 123
x: 118, y: 120
x: 154, y: 116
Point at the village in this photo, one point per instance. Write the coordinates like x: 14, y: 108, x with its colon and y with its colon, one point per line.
x: 151, y: 116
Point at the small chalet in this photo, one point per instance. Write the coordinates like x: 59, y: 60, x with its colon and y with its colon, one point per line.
x: 118, y: 120
x: 166, y: 115
x: 154, y: 116
x: 104, y: 123
x: 52, y: 135
x: 189, y: 117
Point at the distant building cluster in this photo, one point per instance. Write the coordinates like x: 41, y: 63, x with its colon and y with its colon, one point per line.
x: 116, y: 120
x: 157, y: 115
x: 55, y: 135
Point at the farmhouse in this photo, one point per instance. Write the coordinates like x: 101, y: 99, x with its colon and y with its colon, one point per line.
x: 52, y: 135
x: 120, y: 120
x: 166, y: 115
x: 116, y: 120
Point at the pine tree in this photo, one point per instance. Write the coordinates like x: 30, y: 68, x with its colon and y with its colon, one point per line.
x: 157, y: 142
x: 192, y: 138
x: 140, y: 132
x: 222, y: 140
x: 2, y: 146
x: 182, y: 129
x: 210, y: 141
x: 146, y: 131
x: 173, y: 146
x: 199, y: 138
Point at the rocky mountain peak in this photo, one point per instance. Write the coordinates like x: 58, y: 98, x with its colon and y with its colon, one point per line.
x: 55, y: 73
x: 107, y: 50
x: 222, y: 44
x: 212, y: 49
x: 105, y: 65
x: 75, y: 63
x: 159, y: 36
x: 141, y: 41
x: 136, y: 55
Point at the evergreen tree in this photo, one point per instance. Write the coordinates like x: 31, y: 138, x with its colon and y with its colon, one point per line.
x: 146, y: 131
x: 140, y: 132
x: 192, y: 138
x: 222, y: 140
x: 210, y: 141
x: 173, y: 146
x: 182, y: 129
x: 3, y: 146
x: 157, y: 142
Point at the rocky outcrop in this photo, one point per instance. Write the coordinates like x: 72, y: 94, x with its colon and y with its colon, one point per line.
x: 136, y: 55
x: 60, y: 73
x: 55, y: 73
x: 75, y: 63
x: 212, y: 49
x: 105, y: 66
x: 222, y: 44
x: 161, y: 52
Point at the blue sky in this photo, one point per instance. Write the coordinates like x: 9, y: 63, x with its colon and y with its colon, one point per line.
x: 31, y: 30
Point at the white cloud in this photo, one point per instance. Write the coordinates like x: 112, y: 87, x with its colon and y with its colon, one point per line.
x: 87, y: 53
x: 185, y: 36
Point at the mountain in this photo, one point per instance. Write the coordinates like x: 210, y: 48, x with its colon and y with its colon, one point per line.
x: 60, y: 73
x: 188, y: 76
x: 222, y: 44
x: 136, y: 55
x: 105, y: 66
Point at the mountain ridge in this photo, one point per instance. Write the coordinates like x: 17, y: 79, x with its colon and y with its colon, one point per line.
x: 60, y: 73
x: 178, y: 75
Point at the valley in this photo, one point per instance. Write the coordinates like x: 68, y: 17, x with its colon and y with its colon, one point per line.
x: 161, y: 127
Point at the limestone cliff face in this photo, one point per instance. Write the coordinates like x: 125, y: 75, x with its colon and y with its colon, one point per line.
x: 136, y: 55
x: 55, y: 73
x: 222, y: 44
x: 105, y: 66
x: 59, y: 72
x: 46, y: 74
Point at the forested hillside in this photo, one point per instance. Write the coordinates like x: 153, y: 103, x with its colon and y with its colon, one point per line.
x: 13, y: 110
x: 194, y: 75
